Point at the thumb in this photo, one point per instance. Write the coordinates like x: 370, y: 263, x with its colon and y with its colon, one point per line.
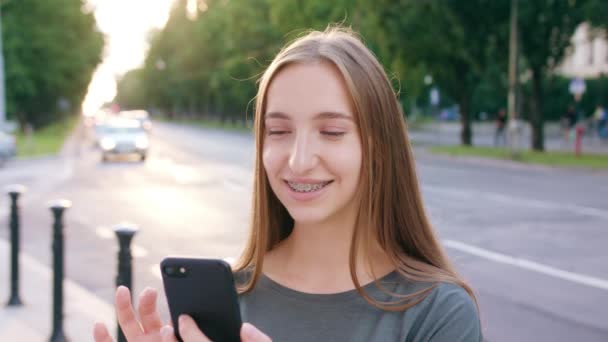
x: 249, y: 333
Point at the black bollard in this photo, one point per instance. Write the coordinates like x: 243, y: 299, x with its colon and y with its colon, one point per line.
x: 58, y: 207
x: 125, y: 233
x: 14, y: 192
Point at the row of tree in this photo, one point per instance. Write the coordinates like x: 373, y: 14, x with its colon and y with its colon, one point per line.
x: 206, y: 60
x: 51, y: 49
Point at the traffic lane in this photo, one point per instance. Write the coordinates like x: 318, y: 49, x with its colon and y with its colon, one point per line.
x: 91, y: 247
x: 566, y: 240
x: 207, y: 144
x: 568, y: 187
x: 521, y: 305
x: 183, y: 205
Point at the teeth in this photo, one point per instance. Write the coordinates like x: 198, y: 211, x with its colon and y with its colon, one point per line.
x: 306, y: 187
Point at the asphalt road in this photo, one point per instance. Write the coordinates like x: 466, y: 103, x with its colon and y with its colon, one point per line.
x: 532, y: 241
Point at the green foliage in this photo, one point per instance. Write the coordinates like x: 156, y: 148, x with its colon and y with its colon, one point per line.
x: 446, y: 39
x: 47, y: 140
x: 206, y: 65
x: 129, y: 90
x: 51, y: 49
x: 546, y: 27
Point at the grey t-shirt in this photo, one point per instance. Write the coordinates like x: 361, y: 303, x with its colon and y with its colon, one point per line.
x: 447, y: 314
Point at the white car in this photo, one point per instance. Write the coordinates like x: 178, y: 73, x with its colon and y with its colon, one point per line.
x: 7, y: 146
x: 123, y: 137
x: 140, y: 115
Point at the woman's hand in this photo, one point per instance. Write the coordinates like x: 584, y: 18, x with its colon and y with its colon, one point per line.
x: 151, y: 329
x: 190, y: 332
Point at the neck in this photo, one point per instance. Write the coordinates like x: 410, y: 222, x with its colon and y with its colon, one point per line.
x: 315, y: 258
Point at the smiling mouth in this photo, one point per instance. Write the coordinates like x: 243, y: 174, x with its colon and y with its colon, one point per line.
x: 307, y: 187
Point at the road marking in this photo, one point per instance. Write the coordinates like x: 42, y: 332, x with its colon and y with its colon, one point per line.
x: 522, y: 202
x: 528, y: 265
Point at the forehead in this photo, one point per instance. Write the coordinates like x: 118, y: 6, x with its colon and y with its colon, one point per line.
x: 302, y: 89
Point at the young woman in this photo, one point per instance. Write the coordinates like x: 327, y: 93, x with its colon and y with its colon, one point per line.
x: 340, y: 247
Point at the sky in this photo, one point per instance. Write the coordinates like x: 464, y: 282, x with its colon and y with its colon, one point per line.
x: 126, y: 25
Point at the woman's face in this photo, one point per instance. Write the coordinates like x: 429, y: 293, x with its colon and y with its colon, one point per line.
x: 312, y: 149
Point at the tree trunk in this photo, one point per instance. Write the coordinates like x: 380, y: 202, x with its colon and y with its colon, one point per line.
x: 536, y: 115
x: 465, y: 119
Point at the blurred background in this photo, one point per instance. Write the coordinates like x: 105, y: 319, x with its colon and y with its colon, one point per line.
x: 140, y: 112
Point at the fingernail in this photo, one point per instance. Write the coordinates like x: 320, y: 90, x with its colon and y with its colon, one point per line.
x: 166, y: 330
x: 148, y: 291
x: 182, y: 320
x: 250, y: 331
x: 121, y: 289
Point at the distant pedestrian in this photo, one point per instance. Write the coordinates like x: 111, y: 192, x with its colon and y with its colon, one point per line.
x: 568, y: 121
x: 599, y: 120
x: 501, y: 125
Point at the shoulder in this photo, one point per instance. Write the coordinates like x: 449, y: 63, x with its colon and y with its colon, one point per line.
x: 448, y: 295
x: 242, y: 276
x: 451, y: 314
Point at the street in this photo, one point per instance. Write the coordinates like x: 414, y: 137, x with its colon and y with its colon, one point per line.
x: 531, y: 241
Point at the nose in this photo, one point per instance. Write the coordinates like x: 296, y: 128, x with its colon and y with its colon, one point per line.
x: 303, y: 157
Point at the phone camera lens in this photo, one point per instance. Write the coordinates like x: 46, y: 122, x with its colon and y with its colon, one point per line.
x: 169, y: 270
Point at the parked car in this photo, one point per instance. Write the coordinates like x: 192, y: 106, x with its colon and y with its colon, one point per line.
x: 140, y: 115
x: 8, y: 146
x: 123, y: 137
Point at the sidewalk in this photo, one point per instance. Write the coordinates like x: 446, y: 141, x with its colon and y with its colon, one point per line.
x: 32, y: 322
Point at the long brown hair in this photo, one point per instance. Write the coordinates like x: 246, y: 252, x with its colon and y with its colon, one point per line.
x: 391, y: 208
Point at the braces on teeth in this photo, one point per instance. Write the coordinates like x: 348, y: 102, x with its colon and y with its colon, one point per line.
x: 306, y: 187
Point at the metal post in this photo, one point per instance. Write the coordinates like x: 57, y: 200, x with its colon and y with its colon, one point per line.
x: 58, y: 207
x: 14, y: 192
x: 124, y: 233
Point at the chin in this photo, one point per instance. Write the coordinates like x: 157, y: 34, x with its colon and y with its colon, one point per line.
x: 308, y: 215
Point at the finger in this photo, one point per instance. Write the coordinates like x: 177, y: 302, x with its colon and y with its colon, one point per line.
x: 149, y: 316
x: 101, y: 334
x: 125, y: 314
x: 167, y: 334
x: 189, y: 331
x: 249, y: 333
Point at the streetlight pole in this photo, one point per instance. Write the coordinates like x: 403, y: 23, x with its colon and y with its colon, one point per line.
x: 513, y: 81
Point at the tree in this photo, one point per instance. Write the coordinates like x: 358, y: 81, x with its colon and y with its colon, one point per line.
x: 205, y: 63
x: 455, y: 41
x: 130, y: 90
x: 546, y: 27
x: 51, y: 49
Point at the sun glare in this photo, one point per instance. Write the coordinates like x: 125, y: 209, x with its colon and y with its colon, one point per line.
x: 126, y: 25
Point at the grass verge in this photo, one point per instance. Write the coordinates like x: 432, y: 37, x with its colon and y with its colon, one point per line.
x: 551, y: 158
x: 47, y: 140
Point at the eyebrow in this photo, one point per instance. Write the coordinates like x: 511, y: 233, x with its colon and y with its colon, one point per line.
x: 319, y: 116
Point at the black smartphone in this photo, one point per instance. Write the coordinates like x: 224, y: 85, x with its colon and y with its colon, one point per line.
x: 205, y: 290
